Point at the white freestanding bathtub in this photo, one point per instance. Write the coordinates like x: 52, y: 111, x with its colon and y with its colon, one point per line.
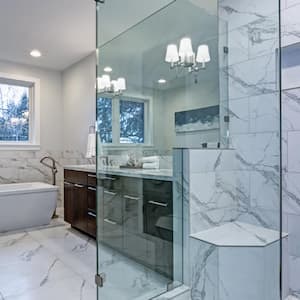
x: 25, y: 205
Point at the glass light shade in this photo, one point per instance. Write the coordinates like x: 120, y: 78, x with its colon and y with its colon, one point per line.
x: 172, y: 54
x: 121, y: 84
x: 106, y: 81
x: 115, y: 85
x: 203, y: 55
x: 185, y: 47
x: 100, y: 84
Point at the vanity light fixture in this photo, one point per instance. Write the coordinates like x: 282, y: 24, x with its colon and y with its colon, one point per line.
x: 35, y: 53
x: 108, y: 69
x: 162, y: 81
x: 105, y: 84
x: 186, y: 57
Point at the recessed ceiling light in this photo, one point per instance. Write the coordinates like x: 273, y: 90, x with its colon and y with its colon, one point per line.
x: 162, y: 81
x: 108, y: 69
x: 35, y: 53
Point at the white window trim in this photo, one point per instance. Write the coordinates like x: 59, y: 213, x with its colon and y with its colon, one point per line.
x: 148, y: 122
x: 34, y: 112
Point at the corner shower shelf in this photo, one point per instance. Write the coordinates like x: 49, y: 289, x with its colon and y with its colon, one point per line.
x: 233, y: 256
x: 238, y: 234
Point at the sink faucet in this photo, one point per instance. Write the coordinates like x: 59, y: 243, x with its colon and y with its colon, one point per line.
x: 52, y: 167
x: 105, y: 159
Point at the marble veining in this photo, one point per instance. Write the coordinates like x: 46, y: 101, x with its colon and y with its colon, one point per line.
x: 60, y: 263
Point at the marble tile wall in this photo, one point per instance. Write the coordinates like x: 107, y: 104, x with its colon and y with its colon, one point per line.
x: 253, y: 105
x: 290, y: 144
x: 25, y: 166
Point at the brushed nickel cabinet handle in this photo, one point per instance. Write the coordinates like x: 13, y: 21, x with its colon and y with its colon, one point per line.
x: 79, y: 186
x: 92, y: 189
x: 131, y: 198
x: 158, y: 203
x: 67, y: 183
x: 110, y: 193
x: 110, y: 222
x: 92, y: 214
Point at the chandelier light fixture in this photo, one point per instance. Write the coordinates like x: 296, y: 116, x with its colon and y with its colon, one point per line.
x: 186, y: 57
x: 105, y: 84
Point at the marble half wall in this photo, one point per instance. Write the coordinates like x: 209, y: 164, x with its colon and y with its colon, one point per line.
x: 25, y: 166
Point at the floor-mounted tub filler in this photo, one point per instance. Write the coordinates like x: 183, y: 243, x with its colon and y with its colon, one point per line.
x: 25, y: 205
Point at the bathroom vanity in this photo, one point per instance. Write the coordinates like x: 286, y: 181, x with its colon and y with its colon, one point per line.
x: 135, y: 211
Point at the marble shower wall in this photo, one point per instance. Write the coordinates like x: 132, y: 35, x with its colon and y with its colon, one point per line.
x: 291, y: 142
x: 251, y: 72
x: 25, y: 166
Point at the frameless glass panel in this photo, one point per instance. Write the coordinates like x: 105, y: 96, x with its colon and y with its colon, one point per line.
x: 104, y: 113
x: 14, y: 113
x: 132, y: 120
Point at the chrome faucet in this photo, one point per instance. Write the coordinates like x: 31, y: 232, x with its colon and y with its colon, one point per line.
x: 52, y: 167
x: 104, y: 159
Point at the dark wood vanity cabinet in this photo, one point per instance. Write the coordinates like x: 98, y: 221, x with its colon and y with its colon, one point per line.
x: 135, y: 215
x: 80, y: 201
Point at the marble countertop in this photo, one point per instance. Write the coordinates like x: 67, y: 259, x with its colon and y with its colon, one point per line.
x: 160, y: 174
x: 238, y: 234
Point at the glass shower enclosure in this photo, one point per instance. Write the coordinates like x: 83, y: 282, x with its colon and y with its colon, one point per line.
x: 188, y: 153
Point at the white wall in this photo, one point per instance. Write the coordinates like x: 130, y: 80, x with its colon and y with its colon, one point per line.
x: 78, y: 95
x: 51, y: 102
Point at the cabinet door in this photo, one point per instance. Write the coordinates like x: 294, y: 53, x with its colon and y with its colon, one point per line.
x: 80, y: 207
x: 68, y: 202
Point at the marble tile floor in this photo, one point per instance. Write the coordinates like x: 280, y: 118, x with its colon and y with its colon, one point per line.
x: 59, y: 263
x: 292, y: 298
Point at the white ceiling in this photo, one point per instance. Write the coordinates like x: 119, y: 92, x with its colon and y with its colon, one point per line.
x: 63, y: 30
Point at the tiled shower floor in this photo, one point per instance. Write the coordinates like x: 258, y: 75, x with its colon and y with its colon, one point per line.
x: 59, y: 263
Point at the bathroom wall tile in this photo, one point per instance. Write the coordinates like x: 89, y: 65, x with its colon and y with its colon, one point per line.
x: 241, y: 284
x: 271, y: 261
x: 263, y: 35
x: 204, y: 270
x: 239, y: 116
x: 264, y: 113
x: 291, y: 23
x: 217, y: 190
x: 239, y: 13
x: 207, y: 160
x: 284, y: 149
x: 257, y: 151
x: 265, y: 190
x: 294, y: 235
x: 293, y: 151
x: 291, y: 193
x: 207, y: 219
x: 245, y: 79
x: 294, y: 274
x: 291, y: 109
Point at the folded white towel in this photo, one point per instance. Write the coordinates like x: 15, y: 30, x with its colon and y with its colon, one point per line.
x: 154, y: 165
x: 150, y: 159
x: 91, y: 146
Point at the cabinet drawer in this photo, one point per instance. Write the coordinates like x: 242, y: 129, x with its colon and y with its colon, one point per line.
x: 159, y: 187
x: 92, y: 179
x: 75, y: 177
x: 92, y: 198
x: 92, y: 223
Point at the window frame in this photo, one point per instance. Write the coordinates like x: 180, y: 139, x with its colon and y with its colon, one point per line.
x: 34, y: 112
x: 116, y: 136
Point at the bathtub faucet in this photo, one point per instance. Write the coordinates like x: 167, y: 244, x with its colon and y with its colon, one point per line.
x: 51, y: 166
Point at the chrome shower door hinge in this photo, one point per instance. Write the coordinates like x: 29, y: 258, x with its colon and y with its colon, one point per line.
x: 100, y: 279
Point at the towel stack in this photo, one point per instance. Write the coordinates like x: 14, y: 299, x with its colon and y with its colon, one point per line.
x: 91, y: 146
x: 150, y: 162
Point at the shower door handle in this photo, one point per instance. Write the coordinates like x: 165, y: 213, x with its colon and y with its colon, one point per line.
x: 110, y: 222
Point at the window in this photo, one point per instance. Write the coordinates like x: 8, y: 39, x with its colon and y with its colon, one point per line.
x: 123, y: 120
x: 19, y: 112
x: 132, y: 122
